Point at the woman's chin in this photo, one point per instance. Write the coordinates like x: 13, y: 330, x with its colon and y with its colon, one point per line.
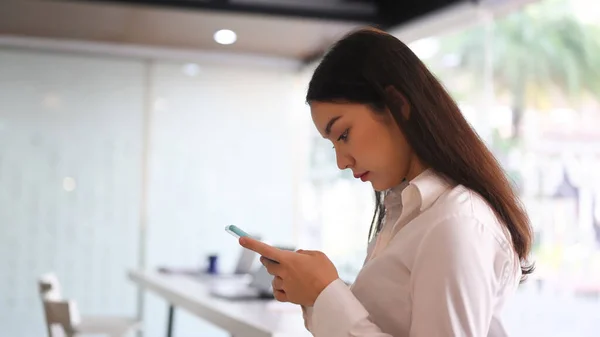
x: 381, y: 186
x: 378, y: 187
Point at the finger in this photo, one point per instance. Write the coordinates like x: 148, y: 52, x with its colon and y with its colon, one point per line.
x: 281, y: 296
x: 262, y: 248
x: 273, y: 268
x: 277, y: 283
x: 308, y: 252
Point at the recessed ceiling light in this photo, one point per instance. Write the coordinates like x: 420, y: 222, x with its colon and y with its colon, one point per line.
x: 225, y: 36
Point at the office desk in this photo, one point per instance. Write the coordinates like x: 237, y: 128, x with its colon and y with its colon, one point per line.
x: 254, y: 318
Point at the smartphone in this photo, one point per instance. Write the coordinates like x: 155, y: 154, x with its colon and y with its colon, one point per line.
x: 236, y: 231
x: 239, y: 233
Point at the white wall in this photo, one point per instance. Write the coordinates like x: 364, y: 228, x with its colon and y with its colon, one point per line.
x: 67, y: 116
x: 221, y: 152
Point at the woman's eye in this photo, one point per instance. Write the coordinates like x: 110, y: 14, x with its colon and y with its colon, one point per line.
x: 344, y: 136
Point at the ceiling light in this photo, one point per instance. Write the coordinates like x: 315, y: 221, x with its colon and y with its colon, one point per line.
x: 225, y: 36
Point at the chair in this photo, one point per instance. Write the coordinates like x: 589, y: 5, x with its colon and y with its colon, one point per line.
x: 61, y: 313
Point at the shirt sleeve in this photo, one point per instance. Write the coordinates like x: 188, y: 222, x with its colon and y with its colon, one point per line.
x: 337, y: 313
x: 307, y: 315
x: 453, y: 281
x: 456, y: 272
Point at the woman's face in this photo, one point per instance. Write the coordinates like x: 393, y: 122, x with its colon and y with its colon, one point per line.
x: 369, y: 143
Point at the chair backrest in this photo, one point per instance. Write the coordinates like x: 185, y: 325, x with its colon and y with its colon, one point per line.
x: 59, y: 313
x: 49, y: 287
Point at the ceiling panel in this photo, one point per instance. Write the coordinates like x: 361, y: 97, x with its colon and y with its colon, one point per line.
x: 294, y: 29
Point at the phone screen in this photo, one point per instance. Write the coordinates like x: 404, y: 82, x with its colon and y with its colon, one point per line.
x: 235, y: 231
x: 238, y: 233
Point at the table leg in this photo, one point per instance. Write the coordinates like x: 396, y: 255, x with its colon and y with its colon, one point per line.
x: 170, y: 321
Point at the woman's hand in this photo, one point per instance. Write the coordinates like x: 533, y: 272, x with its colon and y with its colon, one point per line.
x: 299, y: 277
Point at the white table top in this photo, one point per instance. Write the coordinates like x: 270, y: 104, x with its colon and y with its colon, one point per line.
x: 251, y: 318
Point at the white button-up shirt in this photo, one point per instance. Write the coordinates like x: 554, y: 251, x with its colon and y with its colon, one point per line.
x: 442, y: 265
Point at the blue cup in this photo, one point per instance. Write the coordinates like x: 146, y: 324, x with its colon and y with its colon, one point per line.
x: 212, y: 264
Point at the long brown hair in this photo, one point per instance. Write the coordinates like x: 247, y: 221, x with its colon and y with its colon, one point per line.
x: 374, y: 68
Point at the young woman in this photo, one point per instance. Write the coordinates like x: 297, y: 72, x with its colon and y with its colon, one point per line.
x: 449, y: 239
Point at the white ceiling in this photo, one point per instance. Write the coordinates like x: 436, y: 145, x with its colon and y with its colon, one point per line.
x: 141, y: 30
x: 167, y: 28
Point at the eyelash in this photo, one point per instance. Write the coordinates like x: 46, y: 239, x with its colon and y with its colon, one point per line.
x: 344, y: 136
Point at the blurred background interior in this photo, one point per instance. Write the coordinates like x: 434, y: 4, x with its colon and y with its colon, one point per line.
x: 132, y: 132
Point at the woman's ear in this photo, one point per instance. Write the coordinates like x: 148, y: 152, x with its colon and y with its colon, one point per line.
x: 397, y: 103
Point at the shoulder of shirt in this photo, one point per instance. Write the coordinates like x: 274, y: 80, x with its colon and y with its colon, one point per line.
x: 458, y: 204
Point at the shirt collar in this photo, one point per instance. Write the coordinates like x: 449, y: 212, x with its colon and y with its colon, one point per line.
x: 429, y: 186
x: 393, y: 196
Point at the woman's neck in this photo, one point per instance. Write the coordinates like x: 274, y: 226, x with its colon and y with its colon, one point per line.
x: 415, y: 168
